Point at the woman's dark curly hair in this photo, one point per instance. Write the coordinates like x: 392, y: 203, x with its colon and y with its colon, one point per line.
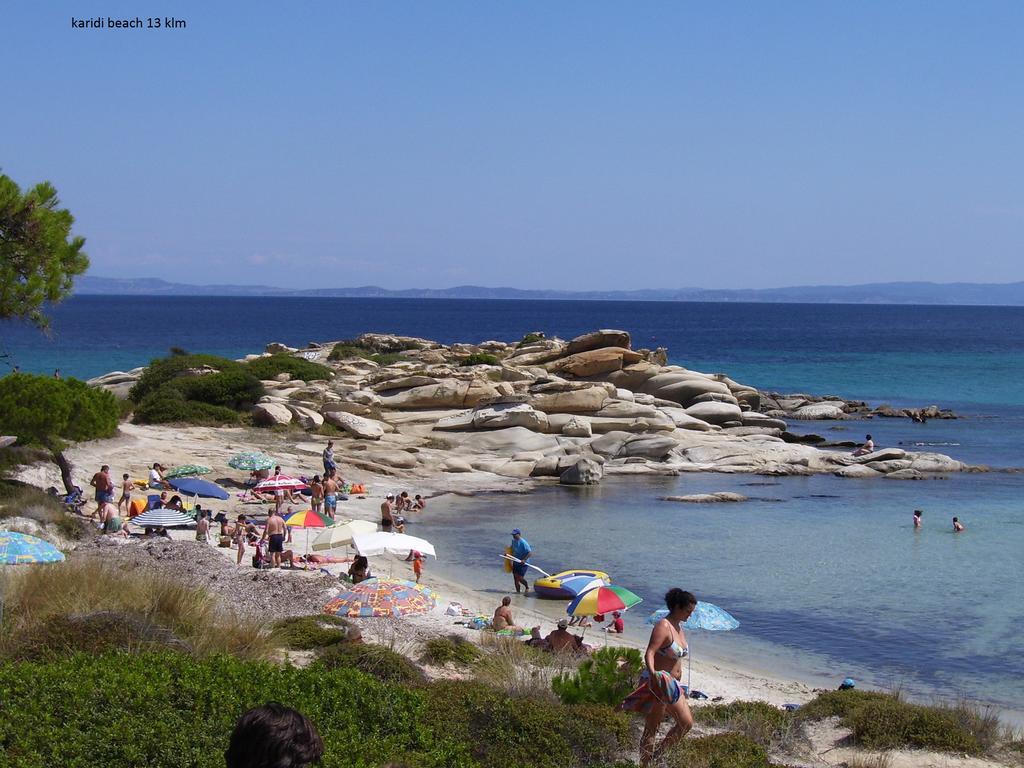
x: 679, y: 598
x: 273, y: 736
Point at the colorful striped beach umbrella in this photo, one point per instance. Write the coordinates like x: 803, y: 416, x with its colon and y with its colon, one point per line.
x: 251, y: 461
x: 383, y: 597
x: 187, y: 470
x: 307, y: 518
x: 23, y: 549
x: 281, y: 483
x: 603, y: 599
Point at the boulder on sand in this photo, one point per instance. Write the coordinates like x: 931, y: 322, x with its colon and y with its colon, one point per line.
x: 271, y: 414
x: 357, y: 426
x: 716, y: 413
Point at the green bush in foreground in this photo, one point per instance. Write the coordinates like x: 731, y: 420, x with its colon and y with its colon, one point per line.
x: 893, y: 724
x: 883, y: 721
x: 306, y: 633
x: 759, y: 721
x: 607, y: 677
x: 502, y: 730
x: 724, y: 750
x: 166, y: 710
x: 441, y: 650
x: 374, y: 660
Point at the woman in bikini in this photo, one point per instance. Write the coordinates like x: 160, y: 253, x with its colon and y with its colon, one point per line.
x: 660, y: 691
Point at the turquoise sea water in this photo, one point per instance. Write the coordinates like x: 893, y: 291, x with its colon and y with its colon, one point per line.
x: 826, y: 575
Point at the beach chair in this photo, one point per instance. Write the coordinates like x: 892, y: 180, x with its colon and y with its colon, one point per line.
x: 153, y: 501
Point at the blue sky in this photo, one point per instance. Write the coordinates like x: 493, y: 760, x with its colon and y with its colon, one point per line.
x: 567, y: 145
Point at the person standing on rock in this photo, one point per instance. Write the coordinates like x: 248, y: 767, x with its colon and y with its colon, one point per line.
x: 329, y: 463
x: 521, y: 551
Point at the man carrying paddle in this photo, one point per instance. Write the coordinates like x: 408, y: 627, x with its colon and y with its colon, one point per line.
x: 521, y: 551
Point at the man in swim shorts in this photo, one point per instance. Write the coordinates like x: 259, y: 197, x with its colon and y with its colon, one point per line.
x: 104, y: 490
x: 274, y: 534
x: 330, y: 494
x: 387, y: 520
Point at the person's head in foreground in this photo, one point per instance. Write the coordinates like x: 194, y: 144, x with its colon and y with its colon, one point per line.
x: 563, y: 623
x: 680, y: 604
x: 273, y: 736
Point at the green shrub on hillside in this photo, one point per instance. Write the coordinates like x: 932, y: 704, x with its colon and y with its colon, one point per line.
x: 530, y: 338
x: 607, y: 677
x: 269, y: 367
x: 169, y: 369
x: 480, y: 358
x: 169, y: 405
x: 839, y: 703
x: 347, y: 351
x: 167, y: 393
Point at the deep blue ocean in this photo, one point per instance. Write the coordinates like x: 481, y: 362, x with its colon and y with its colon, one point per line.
x: 826, y: 575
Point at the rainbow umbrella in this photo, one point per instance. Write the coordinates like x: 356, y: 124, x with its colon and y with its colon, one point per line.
x: 383, y: 597
x: 307, y: 518
x: 604, y: 599
x: 23, y: 549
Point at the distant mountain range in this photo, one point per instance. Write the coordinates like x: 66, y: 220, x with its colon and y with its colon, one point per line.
x: 1004, y: 294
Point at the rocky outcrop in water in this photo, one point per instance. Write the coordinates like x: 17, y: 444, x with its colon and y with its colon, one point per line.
x: 575, y: 410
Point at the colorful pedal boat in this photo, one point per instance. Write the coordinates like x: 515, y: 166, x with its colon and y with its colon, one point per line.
x: 568, y: 584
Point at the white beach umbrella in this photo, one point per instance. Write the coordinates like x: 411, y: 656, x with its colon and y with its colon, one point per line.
x: 340, y: 534
x: 162, y: 518
x: 281, y: 483
x: 369, y: 544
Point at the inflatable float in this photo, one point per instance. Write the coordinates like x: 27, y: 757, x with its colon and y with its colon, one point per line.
x: 568, y: 584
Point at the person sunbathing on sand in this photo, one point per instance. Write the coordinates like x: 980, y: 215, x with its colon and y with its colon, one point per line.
x: 503, y: 616
x: 561, y: 639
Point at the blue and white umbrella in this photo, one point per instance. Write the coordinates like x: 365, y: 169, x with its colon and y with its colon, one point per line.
x: 706, y: 616
x: 162, y: 518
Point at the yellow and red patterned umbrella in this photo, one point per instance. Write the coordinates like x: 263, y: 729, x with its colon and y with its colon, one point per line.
x: 383, y: 597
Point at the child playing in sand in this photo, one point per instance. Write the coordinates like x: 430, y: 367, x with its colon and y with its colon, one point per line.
x: 126, y: 494
x: 417, y: 565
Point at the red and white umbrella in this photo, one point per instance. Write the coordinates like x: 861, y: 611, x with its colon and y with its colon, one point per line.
x: 281, y: 483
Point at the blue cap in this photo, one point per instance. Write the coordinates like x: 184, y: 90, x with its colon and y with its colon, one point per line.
x: 516, y: 532
x: 848, y: 683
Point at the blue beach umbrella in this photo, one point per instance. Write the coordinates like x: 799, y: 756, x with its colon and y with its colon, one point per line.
x: 23, y: 549
x: 706, y: 616
x: 196, y: 486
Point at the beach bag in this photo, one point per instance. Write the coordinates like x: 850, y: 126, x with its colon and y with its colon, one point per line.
x: 453, y: 609
x: 224, y: 541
